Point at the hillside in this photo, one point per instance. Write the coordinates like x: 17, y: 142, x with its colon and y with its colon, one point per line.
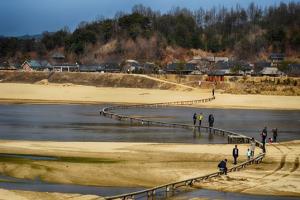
x: 146, y: 35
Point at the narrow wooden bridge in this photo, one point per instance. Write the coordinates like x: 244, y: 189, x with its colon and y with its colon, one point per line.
x: 170, y: 187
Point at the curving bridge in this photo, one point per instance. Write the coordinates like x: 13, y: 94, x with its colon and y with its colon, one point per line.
x: 170, y: 187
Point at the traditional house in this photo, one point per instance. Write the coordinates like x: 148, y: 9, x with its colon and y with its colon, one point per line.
x: 132, y: 66
x: 58, y: 57
x: 294, y: 69
x: 217, y: 75
x: 275, y: 58
x: 7, y: 66
x: 239, y: 68
x: 65, y: 67
x: 110, y: 67
x: 150, y: 68
x: 259, y: 66
x: 221, y: 59
x: 91, y: 68
x: 271, y: 71
x: 179, y: 68
x: 215, y: 59
x: 36, y: 65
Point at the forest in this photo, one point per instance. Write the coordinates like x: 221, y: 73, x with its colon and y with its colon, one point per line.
x: 244, y: 33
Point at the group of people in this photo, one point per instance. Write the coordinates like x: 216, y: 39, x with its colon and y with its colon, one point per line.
x: 200, y: 117
x: 235, y: 154
x: 264, y: 135
x: 250, y: 151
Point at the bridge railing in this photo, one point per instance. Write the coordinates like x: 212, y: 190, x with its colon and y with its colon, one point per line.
x: 188, y: 182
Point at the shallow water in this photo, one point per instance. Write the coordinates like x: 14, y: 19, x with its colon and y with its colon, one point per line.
x: 244, y: 121
x: 30, y: 157
x: 83, y: 123
x: 11, y: 183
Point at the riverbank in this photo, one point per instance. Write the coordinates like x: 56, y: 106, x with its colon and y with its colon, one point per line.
x: 151, y: 164
x: 69, y: 93
x: 27, y: 195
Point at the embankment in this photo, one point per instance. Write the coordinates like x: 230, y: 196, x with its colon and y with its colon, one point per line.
x: 90, y: 79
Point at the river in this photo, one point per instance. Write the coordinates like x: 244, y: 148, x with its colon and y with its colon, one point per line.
x: 83, y: 123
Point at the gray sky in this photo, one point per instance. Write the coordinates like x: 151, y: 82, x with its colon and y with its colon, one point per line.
x: 21, y: 17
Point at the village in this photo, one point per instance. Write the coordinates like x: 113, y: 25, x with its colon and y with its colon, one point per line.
x: 213, y: 66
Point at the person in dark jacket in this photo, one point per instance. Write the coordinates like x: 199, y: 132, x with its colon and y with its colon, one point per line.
x: 235, y: 154
x: 264, y: 135
x: 275, y: 134
x: 222, y: 166
x: 211, y: 120
x: 195, y: 118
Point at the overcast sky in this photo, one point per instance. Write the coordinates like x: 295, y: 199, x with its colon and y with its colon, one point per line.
x: 21, y: 17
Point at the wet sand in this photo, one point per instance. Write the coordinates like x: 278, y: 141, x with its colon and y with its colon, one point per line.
x: 68, y: 93
x: 151, y: 164
x: 27, y: 195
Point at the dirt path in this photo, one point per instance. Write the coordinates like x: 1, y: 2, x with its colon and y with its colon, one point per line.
x: 165, y: 81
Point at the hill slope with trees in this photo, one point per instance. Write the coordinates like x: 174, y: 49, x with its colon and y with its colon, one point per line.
x: 244, y: 33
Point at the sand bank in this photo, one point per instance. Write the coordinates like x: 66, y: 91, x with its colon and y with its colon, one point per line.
x: 68, y: 93
x: 151, y: 164
x: 27, y: 195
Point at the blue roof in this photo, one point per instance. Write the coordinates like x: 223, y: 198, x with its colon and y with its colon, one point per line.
x: 38, y: 64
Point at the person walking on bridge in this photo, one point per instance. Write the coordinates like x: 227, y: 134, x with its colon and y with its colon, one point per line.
x: 252, y: 147
x: 275, y: 134
x: 235, y: 154
x: 264, y: 135
x: 200, y: 117
x: 211, y: 120
x: 195, y: 118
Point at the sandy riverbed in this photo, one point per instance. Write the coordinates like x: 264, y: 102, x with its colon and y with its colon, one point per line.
x: 151, y: 164
x: 66, y: 93
x: 145, y: 164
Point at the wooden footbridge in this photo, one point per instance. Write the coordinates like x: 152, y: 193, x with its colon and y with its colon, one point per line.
x: 170, y: 187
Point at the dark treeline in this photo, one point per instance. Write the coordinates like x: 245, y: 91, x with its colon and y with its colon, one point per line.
x: 244, y: 32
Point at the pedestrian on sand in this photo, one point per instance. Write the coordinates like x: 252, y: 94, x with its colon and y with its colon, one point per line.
x: 235, y: 154
x: 249, y: 154
x: 270, y: 140
x: 222, y: 166
x: 252, y: 147
x: 275, y: 134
